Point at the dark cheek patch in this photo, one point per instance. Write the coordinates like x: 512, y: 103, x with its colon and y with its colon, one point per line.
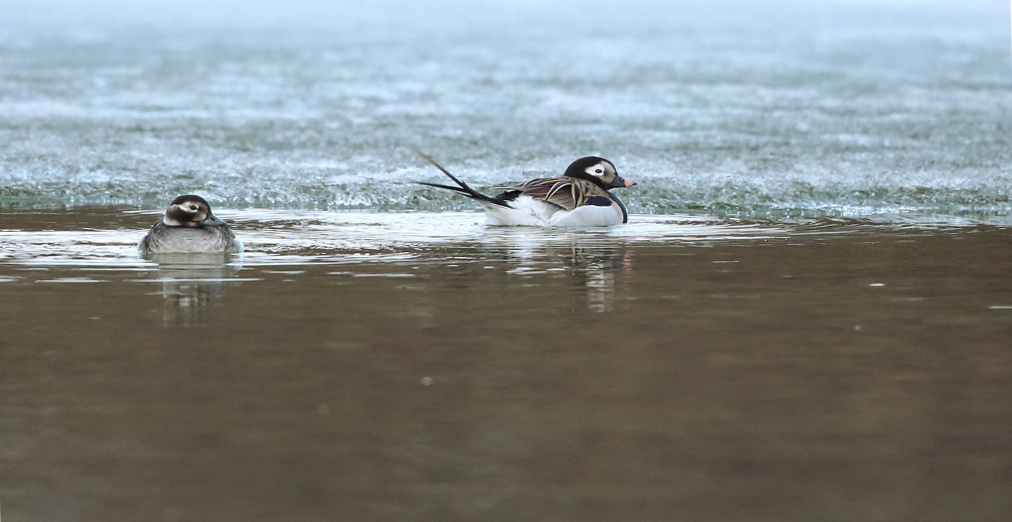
x: 177, y: 215
x: 598, y: 201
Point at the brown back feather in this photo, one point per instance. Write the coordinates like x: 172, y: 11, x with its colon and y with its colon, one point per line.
x: 567, y: 193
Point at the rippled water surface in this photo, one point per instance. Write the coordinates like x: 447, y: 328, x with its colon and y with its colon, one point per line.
x: 771, y: 109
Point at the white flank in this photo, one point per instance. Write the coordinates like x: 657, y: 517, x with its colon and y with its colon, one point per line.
x: 587, y: 216
x: 528, y: 211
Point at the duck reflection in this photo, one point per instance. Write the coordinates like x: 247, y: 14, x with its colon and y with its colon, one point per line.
x: 191, y: 283
x: 595, y: 269
x: 592, y: 261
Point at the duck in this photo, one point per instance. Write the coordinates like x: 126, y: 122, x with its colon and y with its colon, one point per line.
x: 189, y: 226
x: 581, y: 197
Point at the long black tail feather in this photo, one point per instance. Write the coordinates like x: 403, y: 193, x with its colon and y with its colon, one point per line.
x: 462, y: 187
x: 447, y: 187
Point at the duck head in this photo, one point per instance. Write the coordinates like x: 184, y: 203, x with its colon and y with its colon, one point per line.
x: 599, y: 171
x: 190, y: 211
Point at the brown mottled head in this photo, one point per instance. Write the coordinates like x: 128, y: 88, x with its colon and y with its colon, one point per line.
x: 189, y: 211
x: 599, y: 171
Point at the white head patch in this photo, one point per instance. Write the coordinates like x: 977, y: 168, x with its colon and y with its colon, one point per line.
x: 601, y: 169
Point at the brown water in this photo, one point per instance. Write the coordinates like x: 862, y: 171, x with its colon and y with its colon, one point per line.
x: 415, y: 367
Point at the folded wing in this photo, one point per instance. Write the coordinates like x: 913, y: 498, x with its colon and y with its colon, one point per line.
x: 565, y: 193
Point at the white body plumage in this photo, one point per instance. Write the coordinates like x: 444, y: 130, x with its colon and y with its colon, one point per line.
x: 529, y: 211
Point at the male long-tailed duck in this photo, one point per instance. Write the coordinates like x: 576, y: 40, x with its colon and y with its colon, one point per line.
x: 580, y: 198
x: 189, y: 227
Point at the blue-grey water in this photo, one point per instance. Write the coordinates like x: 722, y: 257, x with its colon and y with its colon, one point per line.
x: 852, y: 109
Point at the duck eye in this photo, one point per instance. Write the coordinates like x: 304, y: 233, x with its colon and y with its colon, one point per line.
x: 598, y: 171
x: 193, y: 207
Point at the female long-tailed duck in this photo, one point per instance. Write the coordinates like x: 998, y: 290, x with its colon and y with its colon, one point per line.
x: 189, y: 227
x: 580, y: 198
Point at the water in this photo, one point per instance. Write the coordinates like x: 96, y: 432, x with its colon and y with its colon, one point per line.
x: 771, y: 111
x: 420, y: 366
x: 807, y: 317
